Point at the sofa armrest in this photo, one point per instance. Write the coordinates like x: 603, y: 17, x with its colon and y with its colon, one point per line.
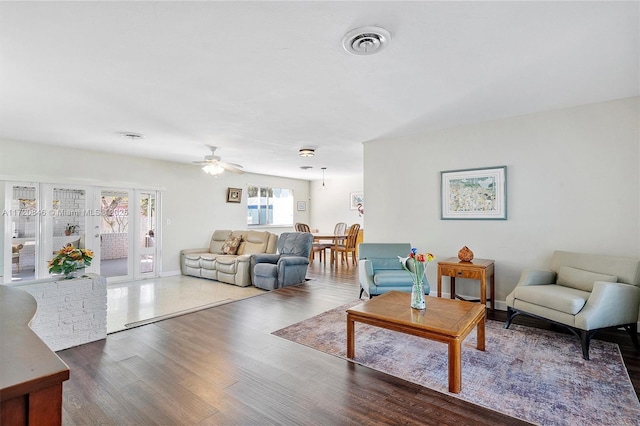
x: 292, y: 260
x: 195, y: 250
x: 604, y: 307
x: 537, y: 277
x: 365, y: 274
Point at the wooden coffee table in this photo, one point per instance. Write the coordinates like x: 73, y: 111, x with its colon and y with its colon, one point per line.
x: 444, y: 320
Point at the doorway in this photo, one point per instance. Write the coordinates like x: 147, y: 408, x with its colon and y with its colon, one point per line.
x: 118, y: 225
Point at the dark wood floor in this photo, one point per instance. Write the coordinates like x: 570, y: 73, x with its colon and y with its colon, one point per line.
x: 222, y: 366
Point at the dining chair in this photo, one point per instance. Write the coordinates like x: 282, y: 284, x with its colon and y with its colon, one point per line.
x: 349, y: 245
x: 302, y: 227
x: 340, y: 228
x: 321, y: 248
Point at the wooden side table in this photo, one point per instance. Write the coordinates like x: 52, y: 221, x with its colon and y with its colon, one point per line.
x: 477, y: 269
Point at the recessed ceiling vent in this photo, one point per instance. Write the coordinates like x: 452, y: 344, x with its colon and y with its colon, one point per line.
x: 366, y: 40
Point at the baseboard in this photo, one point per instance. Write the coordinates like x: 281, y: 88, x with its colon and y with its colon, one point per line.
x: 170, y: 273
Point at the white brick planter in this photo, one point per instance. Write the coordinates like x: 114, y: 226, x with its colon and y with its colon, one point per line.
x: 70, y: 312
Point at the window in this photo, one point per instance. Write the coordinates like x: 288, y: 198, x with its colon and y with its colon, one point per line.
x: 269, y: 206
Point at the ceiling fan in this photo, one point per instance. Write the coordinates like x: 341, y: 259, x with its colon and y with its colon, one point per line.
x: 214, y: 165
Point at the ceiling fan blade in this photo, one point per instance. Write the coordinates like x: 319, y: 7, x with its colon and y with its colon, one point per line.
x: 231, y: 167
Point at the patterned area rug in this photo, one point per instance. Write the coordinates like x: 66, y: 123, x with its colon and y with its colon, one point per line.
x: 531, y: 374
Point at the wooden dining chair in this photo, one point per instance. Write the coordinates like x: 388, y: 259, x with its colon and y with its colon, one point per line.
x: 321, y: 248
x: 347, y: 246
x: 302, y: 227
x: 315, y: 247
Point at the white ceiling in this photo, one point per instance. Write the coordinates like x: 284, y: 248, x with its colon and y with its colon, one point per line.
x: 263, y: 79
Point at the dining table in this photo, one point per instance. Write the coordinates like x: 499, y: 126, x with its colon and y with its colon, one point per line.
x: 327, y: 238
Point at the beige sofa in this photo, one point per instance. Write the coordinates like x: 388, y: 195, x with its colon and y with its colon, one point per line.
x: 211, y: 263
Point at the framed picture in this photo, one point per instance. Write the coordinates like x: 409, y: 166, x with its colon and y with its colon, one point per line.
x: 474, y: 193
x: 356, y: 200
x: 302, y: 206
x: 234, y: 195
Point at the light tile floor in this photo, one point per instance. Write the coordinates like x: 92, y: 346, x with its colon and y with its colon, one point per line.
x: 136, y: 301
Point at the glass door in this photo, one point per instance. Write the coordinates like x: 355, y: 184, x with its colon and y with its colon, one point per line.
x: 146, y: 225
x: 22, y: 216
x: 115, y: 242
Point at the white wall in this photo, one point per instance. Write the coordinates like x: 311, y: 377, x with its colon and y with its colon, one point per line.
x: 193, y: 202
x: 573, y: 183
x: 332, y: 204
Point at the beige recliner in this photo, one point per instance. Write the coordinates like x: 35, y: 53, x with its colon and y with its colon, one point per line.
x: 584, y: 292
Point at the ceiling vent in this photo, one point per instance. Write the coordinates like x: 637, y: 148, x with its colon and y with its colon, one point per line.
x: 366, y: 40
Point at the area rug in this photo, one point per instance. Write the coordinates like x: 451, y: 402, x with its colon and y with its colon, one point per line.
x: 534, y: 375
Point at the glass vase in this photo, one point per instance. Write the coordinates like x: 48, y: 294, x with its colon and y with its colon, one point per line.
x: 417, y: 295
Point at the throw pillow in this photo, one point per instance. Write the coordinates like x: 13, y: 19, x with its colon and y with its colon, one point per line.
x: 581, y: 279
x: 230, y: 245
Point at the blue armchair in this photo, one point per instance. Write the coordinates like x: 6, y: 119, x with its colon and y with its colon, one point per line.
x: 288, y: 267
x: 379, y: 269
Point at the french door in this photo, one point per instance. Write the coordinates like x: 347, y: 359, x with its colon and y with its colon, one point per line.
x: 118, y: 225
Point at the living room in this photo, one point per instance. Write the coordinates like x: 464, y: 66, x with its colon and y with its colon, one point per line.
x: 573, y: 183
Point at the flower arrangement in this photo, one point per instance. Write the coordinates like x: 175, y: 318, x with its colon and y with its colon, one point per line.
x: 69, y: 259
x: 416, y: 265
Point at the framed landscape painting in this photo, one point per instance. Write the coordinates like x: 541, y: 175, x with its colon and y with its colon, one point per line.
x: 474, y: 193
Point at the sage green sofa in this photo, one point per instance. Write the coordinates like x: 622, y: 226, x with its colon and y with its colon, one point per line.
x: 210, y: 262
x: 583, y: 292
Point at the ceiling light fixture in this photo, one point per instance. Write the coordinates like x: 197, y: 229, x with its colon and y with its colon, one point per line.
x: 213, y: 169
x: 307, y: 152
x: 323, y: 185
x: 366, y: 40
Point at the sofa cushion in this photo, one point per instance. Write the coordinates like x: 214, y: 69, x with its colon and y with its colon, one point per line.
x: 226, y: 264
x: 391, y: 278
x: 217, y: 240
x: 581, y: 279
x: 193, y: 256
x: 255, y: 242
x: 230, y: 245
x: 564, y: 299
x: 191, y: 262
x: 208, y: 260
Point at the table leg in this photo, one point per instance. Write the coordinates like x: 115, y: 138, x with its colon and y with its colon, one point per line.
x: 453, y: 287
x: 439, y: 282
x: 351, y: 349
x: 483, y: 290
x: 492, y: 281
x: 455, y: 366
x: 480, y: 334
